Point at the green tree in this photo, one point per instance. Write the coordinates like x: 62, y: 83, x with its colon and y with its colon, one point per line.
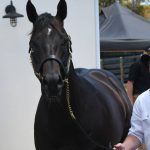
x: 105, y: 3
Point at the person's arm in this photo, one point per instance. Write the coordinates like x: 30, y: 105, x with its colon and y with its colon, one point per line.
x: 136, y: 134
x: 130, y: 90
x: 130, y: 143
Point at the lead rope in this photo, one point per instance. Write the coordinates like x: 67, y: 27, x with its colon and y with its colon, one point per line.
x: 74, y: 118
x: 68, y: 99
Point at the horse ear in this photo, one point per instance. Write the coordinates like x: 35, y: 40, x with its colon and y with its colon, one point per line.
x: 31, y: 11
x: 61, y: 10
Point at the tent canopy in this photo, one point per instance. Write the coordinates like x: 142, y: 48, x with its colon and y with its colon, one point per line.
x: 122, y: 29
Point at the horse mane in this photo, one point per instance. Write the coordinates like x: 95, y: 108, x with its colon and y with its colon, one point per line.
x: 43, y: 21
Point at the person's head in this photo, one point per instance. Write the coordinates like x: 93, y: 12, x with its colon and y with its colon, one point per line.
x: 145, y: 58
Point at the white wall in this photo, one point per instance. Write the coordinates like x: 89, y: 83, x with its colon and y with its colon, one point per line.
x: 19, y: 88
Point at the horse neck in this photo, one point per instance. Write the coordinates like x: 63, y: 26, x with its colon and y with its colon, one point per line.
x: 72, y: 74
x: 75, y: 81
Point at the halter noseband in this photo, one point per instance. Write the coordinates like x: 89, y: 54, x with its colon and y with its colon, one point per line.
x: 54, y: 58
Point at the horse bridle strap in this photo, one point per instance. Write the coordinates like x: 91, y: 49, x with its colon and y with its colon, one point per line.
x: 52, y: 57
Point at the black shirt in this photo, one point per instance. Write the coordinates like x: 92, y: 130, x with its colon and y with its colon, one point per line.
x: 140, y: 76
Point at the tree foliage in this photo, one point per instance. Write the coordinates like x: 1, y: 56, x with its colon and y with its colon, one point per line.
x: 105, y: 3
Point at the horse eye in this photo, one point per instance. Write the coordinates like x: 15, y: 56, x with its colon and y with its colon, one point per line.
x: 64, y: 43
x: 35, y: 58
x: 65, y: 58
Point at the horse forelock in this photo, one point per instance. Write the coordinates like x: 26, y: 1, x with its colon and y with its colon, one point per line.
x: 46, y: 20
x: 43, y: 21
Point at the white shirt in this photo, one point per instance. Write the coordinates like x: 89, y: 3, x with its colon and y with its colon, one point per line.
x: 140, y: 120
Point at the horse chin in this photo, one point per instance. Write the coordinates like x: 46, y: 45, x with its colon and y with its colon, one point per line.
x: 53, y: 97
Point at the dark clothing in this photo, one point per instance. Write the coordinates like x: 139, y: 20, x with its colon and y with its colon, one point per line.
x: 140, y: 75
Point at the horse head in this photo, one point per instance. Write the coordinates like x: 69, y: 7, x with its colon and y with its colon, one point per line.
x: 50, y: 48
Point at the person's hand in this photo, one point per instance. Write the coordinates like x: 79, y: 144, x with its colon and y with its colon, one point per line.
x: 119, y: 146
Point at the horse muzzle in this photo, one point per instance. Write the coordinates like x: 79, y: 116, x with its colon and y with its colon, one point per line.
x: 52, y: 86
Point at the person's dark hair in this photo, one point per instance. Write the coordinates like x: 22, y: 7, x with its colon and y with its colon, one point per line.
x: 145, y: 59
x: 147, y: 51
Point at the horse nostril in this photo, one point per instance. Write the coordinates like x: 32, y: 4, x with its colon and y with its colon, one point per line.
x: 60, y: 82
x: 45, y: 81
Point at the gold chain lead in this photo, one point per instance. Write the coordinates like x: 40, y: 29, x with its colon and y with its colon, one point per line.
x: 68, y: 99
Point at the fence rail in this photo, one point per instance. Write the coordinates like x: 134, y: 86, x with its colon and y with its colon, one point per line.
x: 119, y: 66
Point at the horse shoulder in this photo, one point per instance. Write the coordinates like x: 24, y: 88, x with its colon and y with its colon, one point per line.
x: 100, y: 76
x: 105, y: 82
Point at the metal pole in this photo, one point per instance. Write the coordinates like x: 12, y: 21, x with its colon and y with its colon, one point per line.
x: 133, y: 4
x: 97, y: 33
x: 121, y: 70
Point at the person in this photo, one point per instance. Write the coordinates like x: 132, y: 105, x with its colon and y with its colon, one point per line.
x: 139, y: 131
x: 139, y: 76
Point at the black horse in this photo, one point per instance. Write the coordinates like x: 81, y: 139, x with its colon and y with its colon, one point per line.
x: 79, y: 109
